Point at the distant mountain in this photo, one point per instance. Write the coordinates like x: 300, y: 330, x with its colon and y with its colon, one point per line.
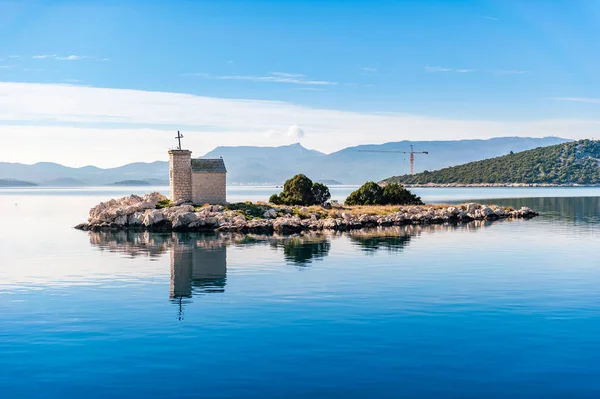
x: 273, y: 165
x: 352, y: 166
x: 46, y: 173
x: 16, y: 183
x: 65, y: 182
x: 131, y: 183
x: 330, y: 182
x: 157, y: 182
x: 266, y: 164
x: 569, y: 163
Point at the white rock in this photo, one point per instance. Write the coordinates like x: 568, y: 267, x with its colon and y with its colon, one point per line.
x: 136, y: 219
x: 471, y: 207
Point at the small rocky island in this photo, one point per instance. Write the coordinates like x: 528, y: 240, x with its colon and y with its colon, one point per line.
x: 154, y: 212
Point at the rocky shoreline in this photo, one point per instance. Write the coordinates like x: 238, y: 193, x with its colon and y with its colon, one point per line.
x: 483, y: 185
x: 145, y: 213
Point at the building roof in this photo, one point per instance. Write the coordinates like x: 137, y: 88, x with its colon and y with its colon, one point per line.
x: 208, y: 165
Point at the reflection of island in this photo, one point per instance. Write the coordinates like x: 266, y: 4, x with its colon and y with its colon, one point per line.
x: 395, y: 239
x: 578, y: 210
x: 392, y: 239
x: 198, y: 262
x: 303, y: 249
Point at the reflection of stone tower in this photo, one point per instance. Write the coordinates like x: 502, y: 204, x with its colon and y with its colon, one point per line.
x: 180, y: 174
x: 209, y: 273
x: 205, y: 270
x: 181, y: 271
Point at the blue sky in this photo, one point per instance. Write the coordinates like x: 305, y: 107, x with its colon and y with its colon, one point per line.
x: 473, y: 61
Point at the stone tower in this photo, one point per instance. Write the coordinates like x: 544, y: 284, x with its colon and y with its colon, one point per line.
x: 180, y: 175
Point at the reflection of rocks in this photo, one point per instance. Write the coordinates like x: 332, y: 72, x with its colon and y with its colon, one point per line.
x: 578, y: 210
x: 396, y: 238
x: 132, y: 243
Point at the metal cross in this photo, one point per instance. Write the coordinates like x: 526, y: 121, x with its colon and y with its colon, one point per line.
x: 179, y: 137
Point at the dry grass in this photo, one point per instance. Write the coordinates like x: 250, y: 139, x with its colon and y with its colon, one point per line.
x: 355, y: 210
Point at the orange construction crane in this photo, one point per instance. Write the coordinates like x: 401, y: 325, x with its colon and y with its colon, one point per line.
x: 411, y: 152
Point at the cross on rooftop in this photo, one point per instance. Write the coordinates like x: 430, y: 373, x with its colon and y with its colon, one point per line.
x: 179, y: 137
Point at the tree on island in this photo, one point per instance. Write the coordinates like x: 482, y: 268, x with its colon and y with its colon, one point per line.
x: 300, y: 190
x: 372, y: 193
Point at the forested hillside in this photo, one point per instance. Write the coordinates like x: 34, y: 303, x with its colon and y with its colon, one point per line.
x: 569, y: 163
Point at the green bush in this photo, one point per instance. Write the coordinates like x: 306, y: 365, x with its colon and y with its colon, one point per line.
x: 300, y: 190
x: 396, y: 194
x: 248, y: 209
x: 372, y: 193
x: 163, y: 204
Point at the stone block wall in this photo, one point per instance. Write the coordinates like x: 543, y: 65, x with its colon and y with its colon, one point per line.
x: 209, y: 188
x: 180, y: 175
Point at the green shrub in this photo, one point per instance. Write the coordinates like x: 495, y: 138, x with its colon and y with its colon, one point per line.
x: 372, y: 193
x: 300, y: 190
x: 369, y: 193
x: 248, y: 209
x: 163, y: 204
x: 396, y: 194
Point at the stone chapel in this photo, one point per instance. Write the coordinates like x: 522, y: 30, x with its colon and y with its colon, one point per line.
x: 200, y: 181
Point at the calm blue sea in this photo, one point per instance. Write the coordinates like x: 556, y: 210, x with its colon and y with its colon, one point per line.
x: 509, y: 309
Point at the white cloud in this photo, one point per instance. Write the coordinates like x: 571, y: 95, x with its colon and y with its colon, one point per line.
x: 295, y: 132
x: 72, y: 57
x: 369, y: 69
x: 510, y: 72
x: 79, y: 125
x: 288, y: 75
x: 308, y: 88
x: 13, y: 56
x: 492, y: 18
x: 434, y: 69
x: 274, y: 77
x: 6, y: 66
x: 578, y: 99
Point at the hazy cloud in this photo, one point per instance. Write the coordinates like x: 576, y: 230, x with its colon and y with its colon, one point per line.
x: 510, y: 72
x: 434, y: 69
x: 78, y: 125
x: 492, y: 18
x: 274, y: 77
x: 72, y: 57
x: 369, y: 69
x: 588, y: 100
x: 308, y: 88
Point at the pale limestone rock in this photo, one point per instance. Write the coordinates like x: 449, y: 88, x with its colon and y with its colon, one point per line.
x: 121, y: 220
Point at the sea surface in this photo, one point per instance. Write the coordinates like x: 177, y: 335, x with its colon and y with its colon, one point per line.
x: 508, y: 309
